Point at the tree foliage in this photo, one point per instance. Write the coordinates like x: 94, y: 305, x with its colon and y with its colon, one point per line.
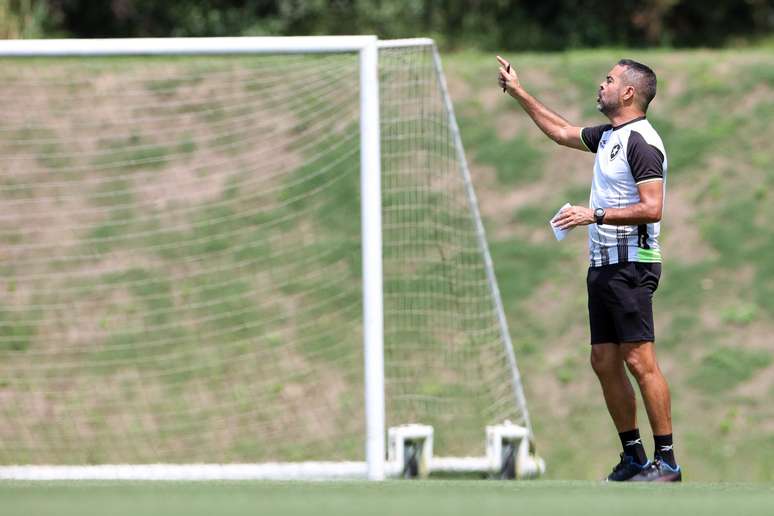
x: 501, y: 24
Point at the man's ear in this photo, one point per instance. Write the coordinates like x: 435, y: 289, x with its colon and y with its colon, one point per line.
x: 629, y: 93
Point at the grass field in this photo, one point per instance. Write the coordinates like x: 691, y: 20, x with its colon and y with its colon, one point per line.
x: 391, y: 498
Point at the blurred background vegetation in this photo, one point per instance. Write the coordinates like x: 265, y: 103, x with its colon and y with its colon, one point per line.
x: 483, y: 24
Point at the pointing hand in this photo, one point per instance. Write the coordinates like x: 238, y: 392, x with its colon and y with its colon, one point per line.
x: 507, y: 77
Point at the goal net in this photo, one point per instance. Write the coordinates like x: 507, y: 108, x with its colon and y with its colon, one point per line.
x: 182, y: 261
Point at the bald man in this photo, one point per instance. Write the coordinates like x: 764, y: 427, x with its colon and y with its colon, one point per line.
x: 623, y: 219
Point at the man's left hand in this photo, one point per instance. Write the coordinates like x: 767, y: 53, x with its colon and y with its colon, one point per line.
x: 573, y: 216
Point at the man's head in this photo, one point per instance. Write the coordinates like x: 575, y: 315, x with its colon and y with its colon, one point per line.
x: 629, y: 85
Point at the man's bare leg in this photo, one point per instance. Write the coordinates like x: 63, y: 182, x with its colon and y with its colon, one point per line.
x: 608, y: 364
x: 640, y: 358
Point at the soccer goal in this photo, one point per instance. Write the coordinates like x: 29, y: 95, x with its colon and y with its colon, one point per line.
x: 245, y: 258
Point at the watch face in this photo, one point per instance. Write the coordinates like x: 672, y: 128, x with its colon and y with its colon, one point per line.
x: 599, y: 212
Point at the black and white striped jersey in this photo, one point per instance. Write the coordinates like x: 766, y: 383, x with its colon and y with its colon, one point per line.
x: 626, y: 156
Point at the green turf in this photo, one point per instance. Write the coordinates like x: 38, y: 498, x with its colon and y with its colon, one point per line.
x: 390, y: 498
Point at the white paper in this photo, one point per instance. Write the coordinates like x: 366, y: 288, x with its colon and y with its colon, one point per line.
x: 559, y: 233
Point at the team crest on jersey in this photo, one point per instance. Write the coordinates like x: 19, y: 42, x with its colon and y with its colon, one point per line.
x: 602, y: 144
x: 614, y: 151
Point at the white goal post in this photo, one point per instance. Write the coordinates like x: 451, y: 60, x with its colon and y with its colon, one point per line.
x: 371, y: 160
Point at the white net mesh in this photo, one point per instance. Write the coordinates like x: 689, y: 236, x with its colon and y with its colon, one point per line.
x: 181, y: 262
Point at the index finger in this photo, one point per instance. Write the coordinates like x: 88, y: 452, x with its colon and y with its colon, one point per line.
x: 503, y: 61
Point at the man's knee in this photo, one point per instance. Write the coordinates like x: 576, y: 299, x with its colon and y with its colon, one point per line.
x: 640, y: 360
x: 605, y: 359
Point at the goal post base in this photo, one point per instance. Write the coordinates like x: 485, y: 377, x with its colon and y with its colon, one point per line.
x: 509, y: 455
x: 190, y: 472
x: 510, y: 452
x: 410, y: 450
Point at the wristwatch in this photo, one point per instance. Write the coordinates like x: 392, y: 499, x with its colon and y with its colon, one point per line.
x: 599, y: 216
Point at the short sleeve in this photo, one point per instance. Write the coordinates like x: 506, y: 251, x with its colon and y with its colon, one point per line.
x: 592, y: 135
x: 645, y: 160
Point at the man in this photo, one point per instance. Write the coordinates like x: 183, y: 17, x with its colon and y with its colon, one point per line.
x: 627, y: 196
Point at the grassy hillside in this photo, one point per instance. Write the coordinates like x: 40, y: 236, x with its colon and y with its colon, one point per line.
x: 182, y: 270
x: 715, y: 304
x: 181, y: 260
x: 161, y: 246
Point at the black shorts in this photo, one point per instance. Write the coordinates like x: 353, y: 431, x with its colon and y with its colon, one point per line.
x: 621, y: 302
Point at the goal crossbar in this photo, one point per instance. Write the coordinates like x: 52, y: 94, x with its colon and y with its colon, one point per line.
x: 197, y: 46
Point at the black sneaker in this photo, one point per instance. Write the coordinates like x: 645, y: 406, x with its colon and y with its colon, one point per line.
x: 659, y: 471
x: 626, y: 469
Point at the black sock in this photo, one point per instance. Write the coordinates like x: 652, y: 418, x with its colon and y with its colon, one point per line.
x: 632, y: 446
x: 664, y: 449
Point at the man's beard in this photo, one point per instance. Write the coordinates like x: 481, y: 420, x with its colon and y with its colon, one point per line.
x: 607, y: 108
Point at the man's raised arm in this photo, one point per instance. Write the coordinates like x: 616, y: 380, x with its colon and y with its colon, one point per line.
x: 552, y: 124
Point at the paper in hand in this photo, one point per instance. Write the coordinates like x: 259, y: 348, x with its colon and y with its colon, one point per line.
x: 559, y: 233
